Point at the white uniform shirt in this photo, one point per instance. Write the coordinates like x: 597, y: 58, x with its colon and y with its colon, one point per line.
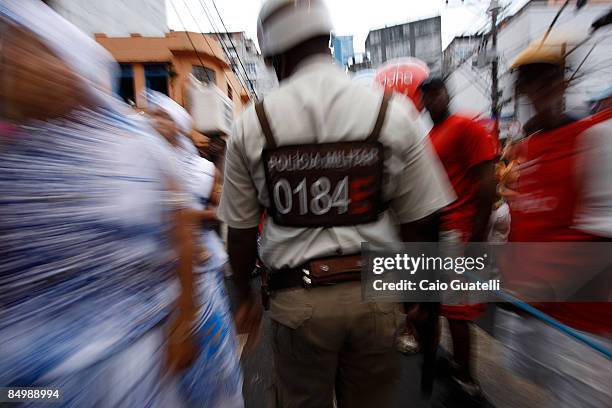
x: 320, y: 104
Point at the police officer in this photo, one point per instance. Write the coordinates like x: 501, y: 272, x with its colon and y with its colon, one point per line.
x: 333, y: 164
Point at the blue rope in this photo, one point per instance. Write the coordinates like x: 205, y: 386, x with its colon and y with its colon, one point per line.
x: 550, y: 321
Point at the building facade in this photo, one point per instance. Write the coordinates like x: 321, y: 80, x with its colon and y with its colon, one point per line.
x: 164, y: 63
x: 151, y: 56
x: 460, y: 49
x: 342, y: 46
x: 115, y: 18
x: 421, y: 39
x: 359, y: 62
x: 470, y: 79
x: 248, y: 65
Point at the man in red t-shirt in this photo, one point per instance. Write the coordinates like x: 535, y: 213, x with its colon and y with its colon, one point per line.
x: 564, y: 194
x: 467, y: 153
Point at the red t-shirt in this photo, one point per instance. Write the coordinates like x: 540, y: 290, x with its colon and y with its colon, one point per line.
x: 461, y: 143
x: 544, y: 211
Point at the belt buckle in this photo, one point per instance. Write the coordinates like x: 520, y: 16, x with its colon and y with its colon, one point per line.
x: 306, y: 279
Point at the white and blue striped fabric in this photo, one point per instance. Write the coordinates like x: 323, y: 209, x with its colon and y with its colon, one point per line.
x: 87, y: 276
x: 87, y: 270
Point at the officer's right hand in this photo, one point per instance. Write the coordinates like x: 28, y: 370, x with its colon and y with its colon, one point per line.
x: 248, y: 320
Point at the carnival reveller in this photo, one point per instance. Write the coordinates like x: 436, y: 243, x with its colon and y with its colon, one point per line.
x: 563, y: 196
x: 215, y: 379
x: 92, y: 233
x: 467, y: 152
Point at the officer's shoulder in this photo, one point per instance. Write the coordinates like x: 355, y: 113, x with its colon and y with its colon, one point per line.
x: 402, y: 108
x: 270, y: 102
x: 370, y: 98
x: 403, y: 122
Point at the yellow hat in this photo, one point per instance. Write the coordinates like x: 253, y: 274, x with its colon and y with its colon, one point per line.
x: 538, y: 53
x: 550, y: 50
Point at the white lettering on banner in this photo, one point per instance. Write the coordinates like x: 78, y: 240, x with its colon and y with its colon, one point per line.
x: 302, y: 194
x: 398, y: 78
x: 320, y: 203
x: 283, y: 185
x: 337, y: 159
x: 535, y: 202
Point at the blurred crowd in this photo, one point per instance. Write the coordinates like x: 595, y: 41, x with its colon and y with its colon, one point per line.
x: 114, y: 263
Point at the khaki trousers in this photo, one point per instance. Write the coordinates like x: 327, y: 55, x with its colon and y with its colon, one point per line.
x: 327, y: 342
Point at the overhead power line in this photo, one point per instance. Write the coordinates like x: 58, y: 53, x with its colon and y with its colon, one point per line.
x: 232, y: 42
x: 190, y: 40
x: 582, y: 62
x: 207, y: 42
x: 222, y: 43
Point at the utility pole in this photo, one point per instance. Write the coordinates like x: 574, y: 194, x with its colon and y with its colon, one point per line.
x: 495, y: 109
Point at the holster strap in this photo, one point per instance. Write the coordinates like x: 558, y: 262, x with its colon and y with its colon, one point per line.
x: 318, y: 272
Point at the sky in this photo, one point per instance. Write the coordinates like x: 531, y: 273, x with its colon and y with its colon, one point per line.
x: 351, y: 17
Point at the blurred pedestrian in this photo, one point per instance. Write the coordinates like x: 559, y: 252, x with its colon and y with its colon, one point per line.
x: 325, y: 340
x: 467, y: 152
x: 93, y: 236
x: 214, y: 379
x: 564, y: 194
x: 211, y: 147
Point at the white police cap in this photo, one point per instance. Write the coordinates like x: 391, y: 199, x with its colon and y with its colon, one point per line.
x: 283, y: 24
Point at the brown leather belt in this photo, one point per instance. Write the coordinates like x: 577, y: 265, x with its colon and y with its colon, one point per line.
x: 318, y: 272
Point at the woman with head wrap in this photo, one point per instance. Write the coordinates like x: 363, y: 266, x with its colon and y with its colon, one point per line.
x: 214, y: 380
x: 95, y: 244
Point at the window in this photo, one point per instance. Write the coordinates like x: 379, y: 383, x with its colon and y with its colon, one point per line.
x: 229, y: 92
x: 251, y: 68
x: 126, y: 83
x: 203, y: 74
x: 374, y: 37
x: 156, y: 77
